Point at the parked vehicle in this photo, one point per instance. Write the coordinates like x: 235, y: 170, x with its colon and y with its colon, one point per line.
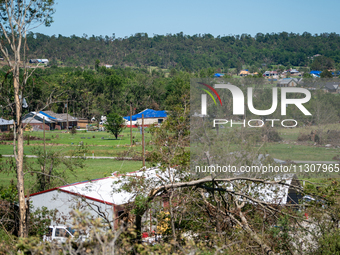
x: 61, y: 233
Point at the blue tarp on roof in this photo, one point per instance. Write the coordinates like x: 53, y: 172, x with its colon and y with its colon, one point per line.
x: 148, y: 113
x: 218, y: 74
x: 315, y: 72
x: 48, y: 116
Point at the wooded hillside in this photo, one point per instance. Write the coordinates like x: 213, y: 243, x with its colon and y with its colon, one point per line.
x: 185, y: 51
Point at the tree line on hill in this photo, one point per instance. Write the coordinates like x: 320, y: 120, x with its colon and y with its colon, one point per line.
x: 182, y: 51
x: 101, y: 91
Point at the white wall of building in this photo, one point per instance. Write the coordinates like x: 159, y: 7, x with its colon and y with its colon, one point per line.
x: 65, y: 203
x: 149, y: 121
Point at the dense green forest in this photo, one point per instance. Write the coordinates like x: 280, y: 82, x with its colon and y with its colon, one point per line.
x: 97, y: 92
x: 184, y: 51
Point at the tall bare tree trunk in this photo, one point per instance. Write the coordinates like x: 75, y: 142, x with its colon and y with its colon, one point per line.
x: 15, y: 20
x: 19, y: 154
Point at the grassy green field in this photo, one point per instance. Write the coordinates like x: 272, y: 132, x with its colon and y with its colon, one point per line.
x: 93, y: 169
x: 300, y: 152
x: 99, y: 143
x: 104, y: 144
x: 289, y: 148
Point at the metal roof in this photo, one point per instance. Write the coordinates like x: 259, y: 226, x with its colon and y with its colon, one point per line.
x: 287, y: 81
x: 108, y: 190
x: 276, y: 194
x: 273, y: 193
x: 332, y: 86
x: 104, y: 190
x: 61, y: 116
x: 4, y: 122
x: 48, y: 116
x: 100, y: 190
x: 34, y: 117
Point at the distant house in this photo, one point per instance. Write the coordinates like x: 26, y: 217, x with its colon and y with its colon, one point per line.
x: 294, y: 71
x: 82, y: 122
x: 150, y: 117
x: 287, y: 82
x: 63, y: 118
x: 6, y: 125
x: 38, y: 60
x: 36, y: 121
x: 269, y: 73
x: 34, y: 61
x: 52, y: 120
x: 244, y: 73
x: 315, y: 73
x: 331, y: 87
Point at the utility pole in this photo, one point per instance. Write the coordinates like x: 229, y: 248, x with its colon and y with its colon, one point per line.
x: 67, y: 115
x: 44, y: 136
x: 143, y: 142
x: 131, y: 123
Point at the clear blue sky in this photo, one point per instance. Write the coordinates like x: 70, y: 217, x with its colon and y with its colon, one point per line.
x: 219, y: 17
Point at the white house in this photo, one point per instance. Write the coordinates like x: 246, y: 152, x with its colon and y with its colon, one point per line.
x: 99, y: 198
x: 150, y: 117
x: 6, y: 125
x: 39, y: 60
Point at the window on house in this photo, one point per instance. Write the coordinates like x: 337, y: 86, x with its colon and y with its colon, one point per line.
x: 61, y: 232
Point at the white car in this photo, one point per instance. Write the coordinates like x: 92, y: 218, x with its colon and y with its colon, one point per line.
x: 61, y: 233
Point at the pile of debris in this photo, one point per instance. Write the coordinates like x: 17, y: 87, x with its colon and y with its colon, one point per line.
x: 313, y: 136
x: 333, y: 137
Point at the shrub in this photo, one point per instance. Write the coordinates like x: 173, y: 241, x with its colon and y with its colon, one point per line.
x: 73, y: 131
x: 303, y: 137
x: 273, y: 136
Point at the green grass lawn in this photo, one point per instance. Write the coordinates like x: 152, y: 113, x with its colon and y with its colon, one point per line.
x: 100, y: 143
x: 104, y: 144
x: 300, y: 152
x: 93, y: 169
